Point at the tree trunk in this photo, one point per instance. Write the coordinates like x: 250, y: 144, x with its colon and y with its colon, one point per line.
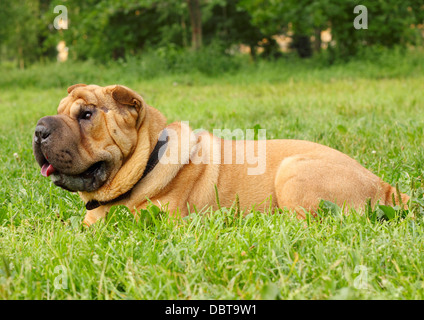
x: 21, y: 58
x: 317, y: 42
x: 196, y: 23
x: 184, y: 33
x: 253, y: 51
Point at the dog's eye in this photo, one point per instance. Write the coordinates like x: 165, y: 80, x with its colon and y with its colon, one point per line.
x: 86, y: 115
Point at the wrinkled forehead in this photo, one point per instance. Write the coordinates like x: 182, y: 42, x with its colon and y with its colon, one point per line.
x: 88, y: 95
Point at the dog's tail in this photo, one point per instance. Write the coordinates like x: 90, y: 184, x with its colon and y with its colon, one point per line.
x: 392, y: 196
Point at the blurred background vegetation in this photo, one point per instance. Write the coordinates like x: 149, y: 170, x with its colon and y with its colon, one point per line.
x: 210, y: 36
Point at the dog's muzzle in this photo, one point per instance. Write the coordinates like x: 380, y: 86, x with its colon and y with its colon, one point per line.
x: 56, y: 150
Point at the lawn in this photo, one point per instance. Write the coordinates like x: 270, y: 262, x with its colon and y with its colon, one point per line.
x: 374, y: 113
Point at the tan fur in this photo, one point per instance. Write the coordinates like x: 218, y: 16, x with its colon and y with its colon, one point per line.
x: 298, y: 173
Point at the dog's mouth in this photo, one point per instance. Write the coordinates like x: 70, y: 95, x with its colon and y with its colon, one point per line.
x: 47, y: 169
x: 89, y: 180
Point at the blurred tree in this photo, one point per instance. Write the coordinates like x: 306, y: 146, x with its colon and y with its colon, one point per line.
x: 196, y: 23
x: 112, y: 29
x: 97, y: 30
x: 20, y: 34
x: 299, y: 18
x: 389, y: 22
x: 230, y: 24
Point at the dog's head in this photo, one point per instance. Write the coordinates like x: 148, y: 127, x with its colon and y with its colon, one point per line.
x: 92, y: 136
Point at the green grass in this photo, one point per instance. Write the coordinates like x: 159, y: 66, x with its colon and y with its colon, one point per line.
x: 372, y: 112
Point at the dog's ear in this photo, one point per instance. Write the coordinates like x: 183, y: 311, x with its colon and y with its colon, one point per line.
x: 75, y: 86
x: 126, y: 96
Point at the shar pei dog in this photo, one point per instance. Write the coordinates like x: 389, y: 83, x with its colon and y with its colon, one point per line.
x: 112, y: 148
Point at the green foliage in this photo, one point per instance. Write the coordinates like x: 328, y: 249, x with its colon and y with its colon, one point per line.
x: 230, y: 23
x: 104, y: 30
x: 20, y: 32
x: 97, y: 30
x: 389, y: 22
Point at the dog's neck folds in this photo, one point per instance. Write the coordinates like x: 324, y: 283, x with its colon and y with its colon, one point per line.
x: 151, y: 163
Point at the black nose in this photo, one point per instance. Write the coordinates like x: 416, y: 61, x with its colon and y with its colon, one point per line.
x: 42, y: 133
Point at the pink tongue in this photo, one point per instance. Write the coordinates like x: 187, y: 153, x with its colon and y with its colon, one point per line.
x: 47, y: 169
